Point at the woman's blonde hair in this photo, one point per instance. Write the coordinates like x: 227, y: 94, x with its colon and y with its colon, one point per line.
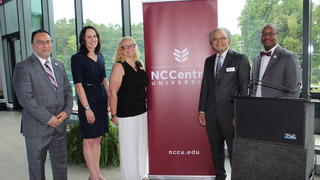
x: 118, y: 55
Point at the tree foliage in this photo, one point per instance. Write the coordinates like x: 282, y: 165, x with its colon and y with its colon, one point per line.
x: 315, y: 76
x: 65, y: 37
x: 110, y: 35
x: 287, y: 16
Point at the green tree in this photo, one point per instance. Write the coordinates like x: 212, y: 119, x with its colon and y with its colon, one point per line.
x: 137, y: 34
x: 237, y: 43
x: 287, y: 16
x: 110, y: 36
x: 66, y: 39
x: 315, y: 72
x: 65, y: 36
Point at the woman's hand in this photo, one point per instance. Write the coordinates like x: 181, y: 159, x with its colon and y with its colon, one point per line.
x: 115, y: 120
x: 90, y: 116
x: 108, y: 108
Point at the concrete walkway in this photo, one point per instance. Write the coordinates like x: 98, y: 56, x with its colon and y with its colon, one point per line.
x: 13, y: 158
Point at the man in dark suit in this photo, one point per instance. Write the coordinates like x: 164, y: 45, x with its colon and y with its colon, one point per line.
x: 44, y: 92
x: 226, y: 73
x: 276, y: 71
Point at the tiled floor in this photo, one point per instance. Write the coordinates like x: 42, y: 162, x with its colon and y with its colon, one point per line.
x: 13, y: 160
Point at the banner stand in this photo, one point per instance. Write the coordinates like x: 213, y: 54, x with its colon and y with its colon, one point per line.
x: 176, y: 39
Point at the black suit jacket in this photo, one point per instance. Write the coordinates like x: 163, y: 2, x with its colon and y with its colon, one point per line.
x: 215, y: 95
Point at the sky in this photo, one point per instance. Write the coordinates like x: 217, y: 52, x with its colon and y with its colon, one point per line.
x: 109, y: 11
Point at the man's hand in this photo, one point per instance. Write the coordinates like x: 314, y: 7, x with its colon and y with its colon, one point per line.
x: 202, y: 118
x: 62, y: 116
x: 54, y: 122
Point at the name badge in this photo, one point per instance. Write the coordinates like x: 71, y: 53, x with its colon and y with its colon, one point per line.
x: 230, y: 69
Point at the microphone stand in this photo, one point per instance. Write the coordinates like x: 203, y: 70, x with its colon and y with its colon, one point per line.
x: 277, y: 87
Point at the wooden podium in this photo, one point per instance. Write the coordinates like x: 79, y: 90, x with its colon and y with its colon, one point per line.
x: 273, y: 139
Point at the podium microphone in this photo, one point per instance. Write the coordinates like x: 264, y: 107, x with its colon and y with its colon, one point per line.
x: 276, y: 86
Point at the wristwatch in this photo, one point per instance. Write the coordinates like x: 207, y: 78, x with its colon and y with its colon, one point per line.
x: 87, y: 108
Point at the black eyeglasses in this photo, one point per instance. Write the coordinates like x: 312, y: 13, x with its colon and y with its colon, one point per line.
x: 128, y: 46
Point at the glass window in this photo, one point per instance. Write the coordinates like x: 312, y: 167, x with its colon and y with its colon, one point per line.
x: 1, y: 88
x: 252, y: 15
x: 65, y: 36
x: 36, y: 16
x: 315, y: 58
x: 137, y: 25
x: 231, y: 21
x: 106, y: 17
x: 245, y: 23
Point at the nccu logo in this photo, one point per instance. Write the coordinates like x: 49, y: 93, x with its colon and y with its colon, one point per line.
x: 181, y: 55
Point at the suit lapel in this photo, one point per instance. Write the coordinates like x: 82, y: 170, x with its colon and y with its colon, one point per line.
x: 212, y: 66
x: 58, y: 76
x: 273, y: 60
x: 258, y: 64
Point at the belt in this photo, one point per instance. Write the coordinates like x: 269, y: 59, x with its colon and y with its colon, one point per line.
x: 95, y: 85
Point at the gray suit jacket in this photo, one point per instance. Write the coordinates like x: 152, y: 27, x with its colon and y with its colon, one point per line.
x: 215, y: 95
x: 38, y: 98
x: 282, y: 77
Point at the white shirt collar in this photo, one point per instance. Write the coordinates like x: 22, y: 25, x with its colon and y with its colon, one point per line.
x: 272, y: 49
x: 43, y: 61
x: 224, y: 54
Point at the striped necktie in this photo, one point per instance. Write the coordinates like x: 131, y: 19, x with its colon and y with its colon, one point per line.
x: 50, y: 74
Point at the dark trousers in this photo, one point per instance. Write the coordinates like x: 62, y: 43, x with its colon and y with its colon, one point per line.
x: 218, y: 132
x: 37, y: 148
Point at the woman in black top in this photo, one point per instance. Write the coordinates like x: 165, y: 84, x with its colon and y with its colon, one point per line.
x: 128, y: 83
x: 89, y: 76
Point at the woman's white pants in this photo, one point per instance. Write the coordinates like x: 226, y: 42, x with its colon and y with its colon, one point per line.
x: 133, y: 141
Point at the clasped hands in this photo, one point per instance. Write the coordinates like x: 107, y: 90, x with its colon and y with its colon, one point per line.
x: 57, y: 120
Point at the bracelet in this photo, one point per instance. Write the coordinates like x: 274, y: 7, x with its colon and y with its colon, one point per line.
x: 114, y: 115
x: 87, y: 108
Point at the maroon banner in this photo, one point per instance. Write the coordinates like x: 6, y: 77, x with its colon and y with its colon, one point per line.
x: 176, y: 37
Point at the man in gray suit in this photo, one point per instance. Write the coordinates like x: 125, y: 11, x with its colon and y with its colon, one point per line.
x: 226, y: 73
x: 276, y: 71
x: 44, y: 92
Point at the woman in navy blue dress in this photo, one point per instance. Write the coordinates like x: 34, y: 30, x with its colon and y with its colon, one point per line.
x: 88, y: 71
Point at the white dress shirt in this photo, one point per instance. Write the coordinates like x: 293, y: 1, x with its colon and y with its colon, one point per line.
x: 263, y: 66
x: 43, y: 61
x: 223, y: 57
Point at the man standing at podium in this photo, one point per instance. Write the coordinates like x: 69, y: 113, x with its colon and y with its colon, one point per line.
x: 276, y: 71
x: 226, y: 73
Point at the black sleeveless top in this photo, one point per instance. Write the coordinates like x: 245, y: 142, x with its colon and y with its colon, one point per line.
x: 132, y: 92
